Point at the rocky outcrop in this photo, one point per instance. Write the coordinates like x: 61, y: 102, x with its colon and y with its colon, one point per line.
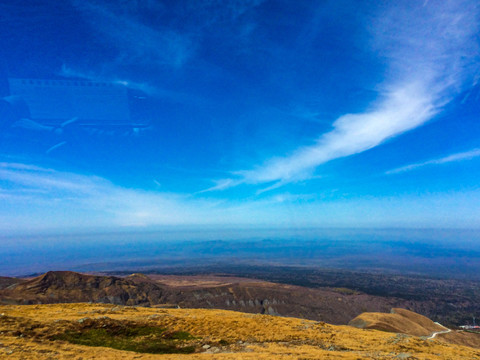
x: 239, y: 294
x: 67, y: 286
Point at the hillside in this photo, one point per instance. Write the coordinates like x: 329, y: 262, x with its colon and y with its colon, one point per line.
x: 5, y: 282
x: 397, y: 321
x: 336, y: 306
x: 410, y: 323
x: 73, y: 331
x: 331, y: 305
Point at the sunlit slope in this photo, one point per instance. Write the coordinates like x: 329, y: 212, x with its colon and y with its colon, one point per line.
x: 33, y: 332
x: 398, y: 321
x: 410, y: 323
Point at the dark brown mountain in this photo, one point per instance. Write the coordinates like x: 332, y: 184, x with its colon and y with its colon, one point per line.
x: 67, y: 287
x: 5, y: 282
x: 337, y: 306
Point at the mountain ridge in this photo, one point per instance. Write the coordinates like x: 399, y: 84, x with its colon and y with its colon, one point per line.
x: 337, y: 306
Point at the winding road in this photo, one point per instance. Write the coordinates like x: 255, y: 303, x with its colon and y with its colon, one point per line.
x: 439, y: 332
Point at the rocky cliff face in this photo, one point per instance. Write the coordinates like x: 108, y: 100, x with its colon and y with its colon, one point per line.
x: 67, y: 286
x: 245, y: 295
x: 278, y: 299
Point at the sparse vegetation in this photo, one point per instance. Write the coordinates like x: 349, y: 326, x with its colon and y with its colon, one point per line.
x: 223, y: 342
x: 142, y: 339
x: 102, y: 331
x: 345, y: 291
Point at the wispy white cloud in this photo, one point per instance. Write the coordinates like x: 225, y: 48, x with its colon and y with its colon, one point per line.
x: 97, y: 199
x: 221, y: 185
x: 403, y: 109
x: 276, y: 185
x: 20, y: 166
x: 158, y: 45
x: 213, y: 12
x: 41, y: 198
x: 147, y: 88
x: 69, y: 72
x: 432, y: 52
x: 35, y: 198
x: 467, y: 155
x: 137, y: 42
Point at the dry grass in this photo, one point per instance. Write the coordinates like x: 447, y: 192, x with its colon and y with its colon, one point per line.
x: 26, y: 332
x: 399, y: 320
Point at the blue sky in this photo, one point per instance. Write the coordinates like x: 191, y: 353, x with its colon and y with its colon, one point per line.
x: 262, y: 114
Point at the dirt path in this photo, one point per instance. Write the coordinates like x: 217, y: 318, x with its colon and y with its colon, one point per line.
x: 439, y: 332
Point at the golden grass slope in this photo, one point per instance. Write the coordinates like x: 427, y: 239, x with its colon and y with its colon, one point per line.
x: 26, y: 332
x: 399, y: 321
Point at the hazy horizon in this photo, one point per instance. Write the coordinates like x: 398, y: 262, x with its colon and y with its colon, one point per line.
x: 429, y: 252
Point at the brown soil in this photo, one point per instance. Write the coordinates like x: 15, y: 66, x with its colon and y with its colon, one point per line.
x: 461, y: 338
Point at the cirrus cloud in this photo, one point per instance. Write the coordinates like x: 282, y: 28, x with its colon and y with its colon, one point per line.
x: 432, y: 55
